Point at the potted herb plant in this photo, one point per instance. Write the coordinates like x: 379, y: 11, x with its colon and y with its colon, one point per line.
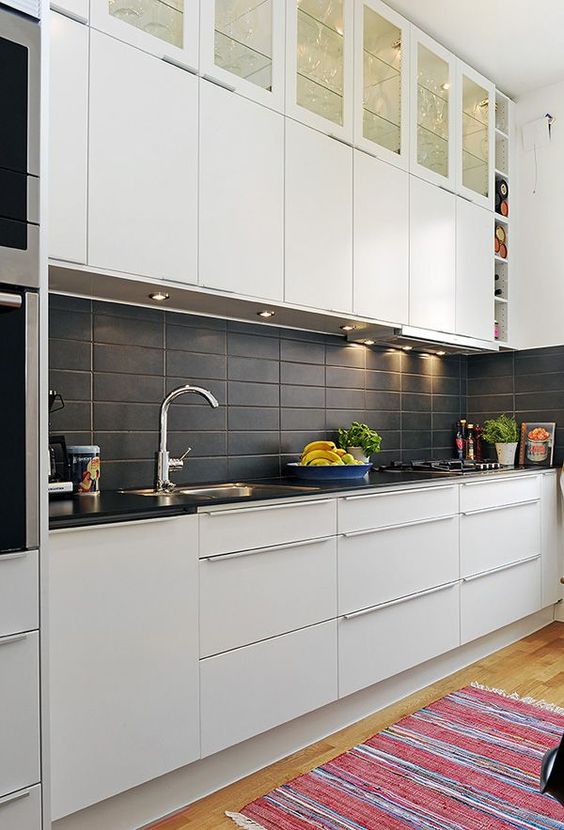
x: 360, y: 441
x: 504, y: 433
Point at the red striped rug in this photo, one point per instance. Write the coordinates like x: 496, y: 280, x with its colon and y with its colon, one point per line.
x: 470, y: 761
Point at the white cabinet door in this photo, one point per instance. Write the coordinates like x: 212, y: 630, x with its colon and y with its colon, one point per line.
x: 68, y: 138
x: 19, y: 592
x: 21, y: 810
x: 381, y: 240
x: 474, y: 271
x: 433, y: 111
x: 76, y: 9
x: 488, y: 493
x: 241, y: 195
x: 475, y: 136
x: 513, y: 533
x: 551, y: 540
x: 319, y: 64
x: 143, y: 164
x: 319, y: 215
x: 432, y: 278
x: 381, y: 105
x: 166, y: 29
x: 242, y: 46
x: 396, y: 507
x: 123, y: 644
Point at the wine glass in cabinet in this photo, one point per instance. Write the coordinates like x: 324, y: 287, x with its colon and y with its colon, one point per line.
x: 166, y: 28
x: 381, y: 82
x: 242, y: 47
x: 433, y: 111
x: 475, y: 136
x: 319, y: 65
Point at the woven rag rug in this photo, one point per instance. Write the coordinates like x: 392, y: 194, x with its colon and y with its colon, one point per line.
x: 469, y: 761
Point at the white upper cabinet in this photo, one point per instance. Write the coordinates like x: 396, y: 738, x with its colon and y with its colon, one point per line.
x: 475, y: 136
x: 433, y: 111
x: 241, y: 195
x: 432, y: 257
x: 167, y: 28
x: 381, y: 82
x: 474, y: 271
x: 242, y: 45
x: 319, y: 64
x: 68, y: 138
x: 319, y: 216
x: 143, y: 163
x: 76, y: 9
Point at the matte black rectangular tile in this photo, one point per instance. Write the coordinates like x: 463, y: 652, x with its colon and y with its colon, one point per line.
x: 253, y: 369
x: 416, y: 454
x: 383, y: 400
x: 197, y: 418
x: 60, y: 301
x: 195, y: 339
x: 416, y: 420
x: 446, y: 386
x: 447, y: 403
x: 75, y: 417
x: 257, y: 329
x: 127, y: 446
x: 252, y: 346
x: 115, y: 475
x: 293, y: 441
x: 305, y: 374
x: 240, y: 393
x: 128, y: 332
x: 78, y: 439
x: 253, y: 443
x: 386, y: 457
x: 70, y: 354
x: 539, y: 400
x: 416, y: 440
x: 253, y: 418
x: 311, y: 336
x: 137, y: 360
x: 297, y: 351
x: 390, y: 440
x: 556, y: 415
x: 346, y: 378
x: 302, y: 419
x: 383, y: 381
x: 216, y: 387
x: 539, y: 361
x: 129, y: 312
x: 445, y: 420
x: 69, y: 325
x: 343, y: 418
x: 133, y: 388
x: 203, y: 444
x: 383, y: 360
x: 302, y: 396
x: 547, y: 382
x: 417, y: 364
x: 126, y: 416
x: 444, y: 438
x: 352, y: 355
x: 412, y: 402
x: 417, y: 383
x: 344, y: 398
x: 249, y: 467
x: 379, y: 420
x: 491, y: 403
x: 199, y: 470
x: 73, y: 386
x: 178, y: 318
x: 195, y: 366
x: 491, y: 386
x: 441, y: 453
x: 490, y: 365
x: 450, y: 366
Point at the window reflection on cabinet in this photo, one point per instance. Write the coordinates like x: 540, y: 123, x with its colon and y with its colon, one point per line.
x: 381, y: 81
x: 476, y: 137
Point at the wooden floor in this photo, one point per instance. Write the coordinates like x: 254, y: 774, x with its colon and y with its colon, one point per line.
x: 533, y: 666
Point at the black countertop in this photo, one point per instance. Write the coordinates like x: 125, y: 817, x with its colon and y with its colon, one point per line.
x: 112, y: 506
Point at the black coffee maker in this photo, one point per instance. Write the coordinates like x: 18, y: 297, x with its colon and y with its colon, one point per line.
x: 59, y: 470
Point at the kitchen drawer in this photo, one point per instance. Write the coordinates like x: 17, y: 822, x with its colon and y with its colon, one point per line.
x: 263, y: 525
x: 19, y: 712
x: 477, y: 495
x: 19, y: 592
x: 21, y: 810
x: 247, y: 691
x: 499, y: 535
x: 379, y: 565
x: 252, y: 595
x: 396, y: 507
x: 382, y: 641
x: 491, y: 600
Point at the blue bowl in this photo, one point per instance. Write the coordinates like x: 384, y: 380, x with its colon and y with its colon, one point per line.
x: 325, y: 473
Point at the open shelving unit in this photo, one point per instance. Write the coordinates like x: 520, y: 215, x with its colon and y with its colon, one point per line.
x: 502, y: 172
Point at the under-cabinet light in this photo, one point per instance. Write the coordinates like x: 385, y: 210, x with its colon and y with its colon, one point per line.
x: 441, y: 354
x: 266, y: 314
x: 407, y: 348
x: 368, y: 342
x: 347, y: 328
x: 159, y: 296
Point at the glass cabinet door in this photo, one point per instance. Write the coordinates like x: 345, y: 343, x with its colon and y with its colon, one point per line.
x: 319, y: 56
x: 433, y: 115
x: 476, y: 119
x: 167, y: 28
x: 242, y: 47
x: 381, y: 56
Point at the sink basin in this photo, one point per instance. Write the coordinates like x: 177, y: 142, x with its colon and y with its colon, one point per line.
x: 226, y: 491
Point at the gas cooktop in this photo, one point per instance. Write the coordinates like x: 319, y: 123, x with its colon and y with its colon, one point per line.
x: 450, y: 466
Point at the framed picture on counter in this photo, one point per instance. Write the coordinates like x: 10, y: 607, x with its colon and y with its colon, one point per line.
x: 536, y: 448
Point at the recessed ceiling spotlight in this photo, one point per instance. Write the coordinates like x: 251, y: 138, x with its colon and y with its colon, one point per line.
x: 347, y: 328
x: 441, y: 354
x: 159, y: 296
x: 266, y: 314
x: 368, y: 342
x: 407, y: 348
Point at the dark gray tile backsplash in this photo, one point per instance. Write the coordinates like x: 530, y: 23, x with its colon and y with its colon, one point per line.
x: 277, y: 389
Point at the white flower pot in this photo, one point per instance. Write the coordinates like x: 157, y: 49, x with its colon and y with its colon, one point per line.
x: 358, y: 454
x: 506, y: 453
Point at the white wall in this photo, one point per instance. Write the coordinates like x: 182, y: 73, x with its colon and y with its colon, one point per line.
x: 537, y: 227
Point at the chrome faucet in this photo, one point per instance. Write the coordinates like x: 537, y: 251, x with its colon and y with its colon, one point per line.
x: 165, y: 463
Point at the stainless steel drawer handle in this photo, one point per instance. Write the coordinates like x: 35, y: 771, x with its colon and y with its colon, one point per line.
x: 179, y: 65
x: 223, y: 557
x: 78, y: 18
x: 399, y: 601
x: 499, y: 507
x: 508, y: 567
x: 354, y: 533
x: 432, y: 488
x: 217, y: 82
x: 489, y: 481
x: 238, y: 510
x: 9, y: 799
x: 10, y: 300
x: 15, y: 638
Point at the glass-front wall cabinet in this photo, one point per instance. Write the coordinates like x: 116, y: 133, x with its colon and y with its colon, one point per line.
x: 381, y: 82
x: 476, y: 136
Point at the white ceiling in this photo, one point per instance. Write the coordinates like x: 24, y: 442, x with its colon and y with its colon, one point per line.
x: 519, y: 44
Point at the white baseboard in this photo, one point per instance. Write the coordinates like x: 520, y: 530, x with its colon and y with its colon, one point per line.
x: 149, y: 802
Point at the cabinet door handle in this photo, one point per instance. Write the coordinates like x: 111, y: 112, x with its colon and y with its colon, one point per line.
x: 217, y: 82
x: 394, y: 492
x: 179, y: 65
x: 474, y: 577
x: 239, y: 510
x: 224, y: 557
x: 78, y: 18
x: 355, y: 533
x: 489, y: 481
x: 8, y: 300
x: 121, y: 523
x: 15, y: 638
x: 6, y: 557
x: 399, y: 601
x: 9, y: 799
x: 499, y: 507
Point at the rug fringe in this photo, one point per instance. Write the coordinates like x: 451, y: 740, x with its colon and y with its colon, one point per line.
x: 244, y: 822
x: 540, y: 704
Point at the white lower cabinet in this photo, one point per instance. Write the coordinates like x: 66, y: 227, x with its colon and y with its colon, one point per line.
x: 551, y: 540
x: 396, y: 507
x: 19, y: 712
x: 253, y: 689
x: 378, y: 642
x: 488, y: 493
x: 21, y: 810
x: 19, y: 592
x: 496, y: 536
x: 491, y: 600
x: 123, y: 648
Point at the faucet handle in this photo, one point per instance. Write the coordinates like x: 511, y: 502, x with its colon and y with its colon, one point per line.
x: 178, y: 463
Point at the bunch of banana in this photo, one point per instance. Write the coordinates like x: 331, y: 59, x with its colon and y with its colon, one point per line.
x: 324, y: 454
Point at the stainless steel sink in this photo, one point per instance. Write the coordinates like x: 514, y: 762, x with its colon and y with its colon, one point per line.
x: 226, y: 491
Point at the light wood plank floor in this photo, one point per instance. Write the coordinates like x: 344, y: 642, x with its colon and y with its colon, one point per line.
x: 533, y: 666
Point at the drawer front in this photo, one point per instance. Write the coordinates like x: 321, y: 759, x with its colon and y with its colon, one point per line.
x: 478, y: 495
x: 247, y: 691
x: 495, y: 537
x: 396, y: 507
x: 21, y: 810
x: 392, y: 638
x: 19, y: 592
x: 490, y: 601
x: 377, y: 566
x: 222, y: 531
x: 19, y: 712
x: 252, y: 595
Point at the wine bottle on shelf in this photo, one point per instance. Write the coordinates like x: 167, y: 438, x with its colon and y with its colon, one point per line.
x: 502, y: 188
x: 504, y: 208
x: 503, y: 250
x: 500, y: 233
x: 470, y: 443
